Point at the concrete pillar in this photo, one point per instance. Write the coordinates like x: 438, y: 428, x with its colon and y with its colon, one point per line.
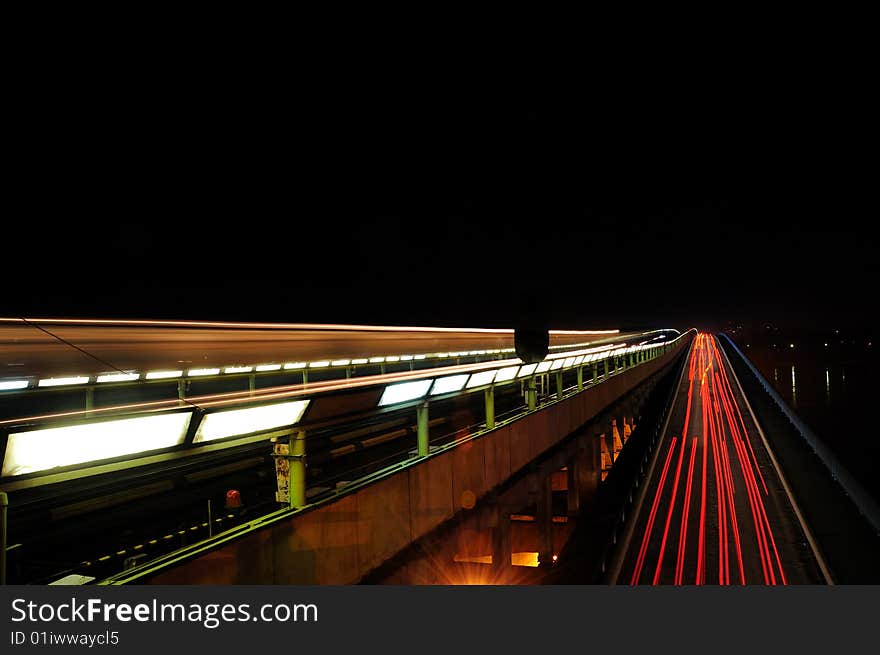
x: 616, y: 441
x: 621, y: 427
x: 490, y: 407
x: 501, y: 541
x: 544, y: 520
x: 297, y: 459
x: 606, y: 460
x: 587, y: 469
x: 573, y: 504
x: 422, y: 425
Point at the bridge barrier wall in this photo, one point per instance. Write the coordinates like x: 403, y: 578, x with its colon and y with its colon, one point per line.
x: 341, y: 541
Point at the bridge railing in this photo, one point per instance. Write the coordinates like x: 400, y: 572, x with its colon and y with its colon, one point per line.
x: 857, y: 493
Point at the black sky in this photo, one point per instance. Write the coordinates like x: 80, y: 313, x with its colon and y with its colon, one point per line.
x: 484, y: 195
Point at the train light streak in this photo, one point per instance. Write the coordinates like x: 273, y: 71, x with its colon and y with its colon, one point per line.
x: 448, y: 384
x: 59, y: 382
x: 234, y: 422
x: 117, y: 377
x: 405, y: 391
x: 199, y: 372
x: 7, y: 385
x: 238, y: 369
x: 527, y: 370
x: 163, y: 375
x: 41, y: 450
x: 506, y: 374
x: 480, y: 379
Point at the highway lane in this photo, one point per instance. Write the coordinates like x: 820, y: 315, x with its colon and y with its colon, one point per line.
x: 714, y: 510
x: 59, y: 347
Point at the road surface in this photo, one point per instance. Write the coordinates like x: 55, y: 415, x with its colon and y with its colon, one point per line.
x: 714, y: 510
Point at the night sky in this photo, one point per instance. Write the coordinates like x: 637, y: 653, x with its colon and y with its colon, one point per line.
x: 375, y: 197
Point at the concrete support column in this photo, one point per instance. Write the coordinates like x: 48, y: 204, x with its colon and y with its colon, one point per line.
x: 422, y: 426
x: 297, y: 459
x: 573, y: 499
x: 501, y: 541
x: 544, y: 520
x: 490, y: 407
x: 587, y: 468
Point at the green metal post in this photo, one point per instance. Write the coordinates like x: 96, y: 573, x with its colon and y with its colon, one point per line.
x: 252, y: 383
x: 632, y: 360
x: 532, y: 394
x: 90, y: 401
x: 422, y: 421
x: 305, y: 376
x: 181, y: 392
x: 490, y: 407
x: 297, y: 459
x: 559, y: 386
x: 580, y: 377
x: 4, y: 503
x: 595, y: 372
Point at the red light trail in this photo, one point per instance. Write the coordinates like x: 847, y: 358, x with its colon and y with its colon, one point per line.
x: 712, y: 427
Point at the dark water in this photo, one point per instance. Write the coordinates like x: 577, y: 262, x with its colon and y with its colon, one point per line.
x: 829, y: 379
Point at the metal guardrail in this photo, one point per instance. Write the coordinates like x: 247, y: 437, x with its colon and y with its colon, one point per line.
x: 865, y: 503
x: 639, y: 480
